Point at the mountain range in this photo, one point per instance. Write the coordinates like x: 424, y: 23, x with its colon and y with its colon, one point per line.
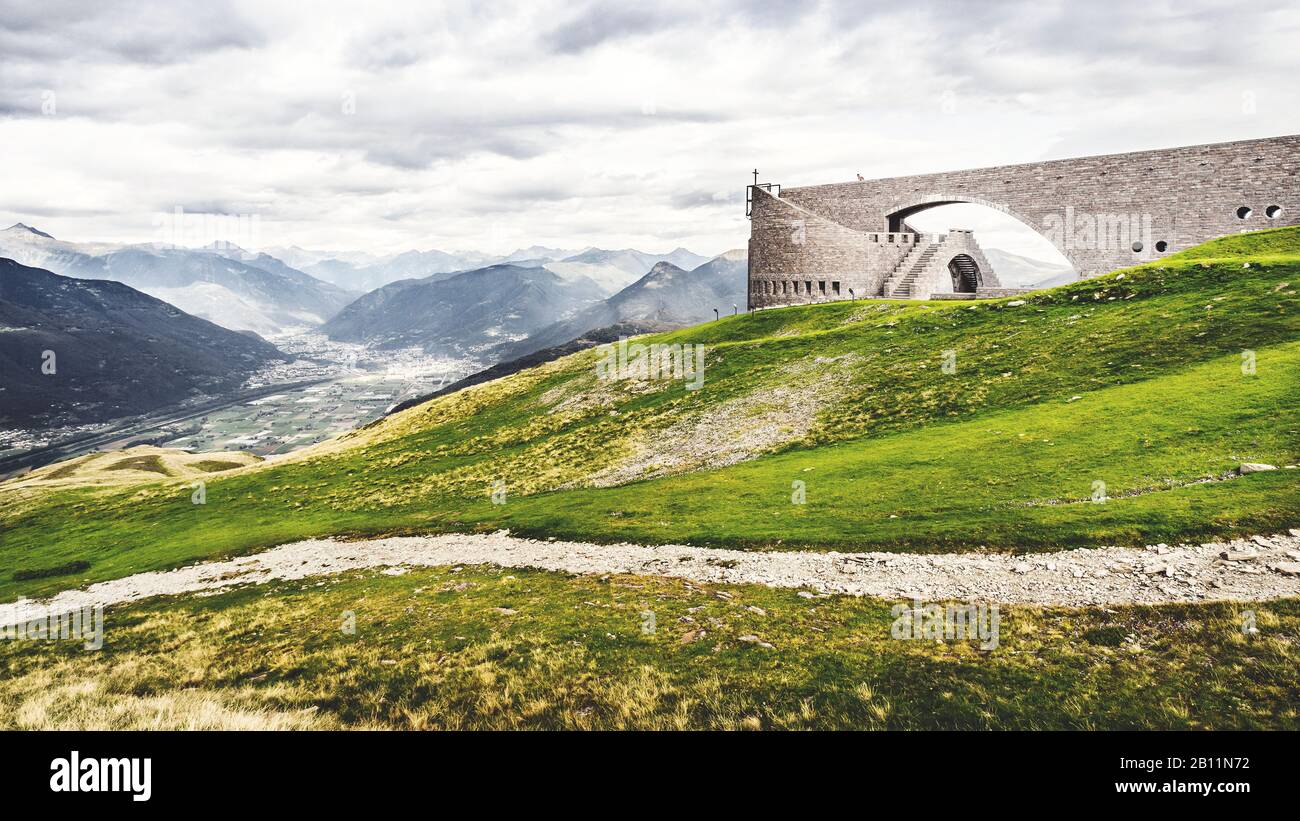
x: 465, y: 314
x: 505, y: 311
x: 366, y: 274
x: 238, y: 290
x: 77, y: 351
x: 666, y: 297
x: 284, y: 289
x: 610, y: 271
x: 616, y: 270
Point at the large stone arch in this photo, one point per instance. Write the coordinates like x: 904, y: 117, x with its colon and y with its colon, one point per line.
x: 1172, y: 198
x: 1102, y: 213
x: 894, y: 217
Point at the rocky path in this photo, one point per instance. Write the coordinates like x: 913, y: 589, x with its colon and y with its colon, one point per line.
x: 1259, y: 568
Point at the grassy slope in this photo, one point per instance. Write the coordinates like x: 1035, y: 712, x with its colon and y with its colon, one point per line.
x: 961, y: 460
x: 1015, y: 478
x: 432, y: 649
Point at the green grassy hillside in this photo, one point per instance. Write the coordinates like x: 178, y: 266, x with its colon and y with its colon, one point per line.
x: 485, y: 648
x: 1133, y: 379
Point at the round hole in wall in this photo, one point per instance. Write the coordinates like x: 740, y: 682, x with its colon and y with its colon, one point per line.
x: 1243, y: 212
x: 1137, y: 246
x: 1273, y: 211
x: 1162, y: 246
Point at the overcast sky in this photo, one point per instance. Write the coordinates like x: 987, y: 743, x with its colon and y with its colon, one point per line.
x: 383, y: 127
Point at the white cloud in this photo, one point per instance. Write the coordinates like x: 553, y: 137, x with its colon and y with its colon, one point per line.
x: 456, y: 126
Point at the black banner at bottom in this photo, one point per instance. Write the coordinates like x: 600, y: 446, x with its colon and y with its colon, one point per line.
x: 146, y: 771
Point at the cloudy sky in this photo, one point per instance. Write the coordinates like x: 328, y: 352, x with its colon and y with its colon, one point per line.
x: 384, y: 126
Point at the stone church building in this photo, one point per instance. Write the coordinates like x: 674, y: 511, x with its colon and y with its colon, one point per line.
x: 852, y: 241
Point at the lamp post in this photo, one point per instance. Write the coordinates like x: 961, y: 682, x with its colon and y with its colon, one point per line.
x: 715, y: 314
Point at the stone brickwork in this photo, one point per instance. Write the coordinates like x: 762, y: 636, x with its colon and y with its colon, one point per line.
x: 807, y: 258
x: 1102, y: 212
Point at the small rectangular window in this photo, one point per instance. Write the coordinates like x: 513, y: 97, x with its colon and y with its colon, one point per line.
x: 807, y: 285
x: 835, y: 287
x: 821, y: 286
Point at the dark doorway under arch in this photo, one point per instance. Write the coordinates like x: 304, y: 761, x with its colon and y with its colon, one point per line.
x: 965, y: 272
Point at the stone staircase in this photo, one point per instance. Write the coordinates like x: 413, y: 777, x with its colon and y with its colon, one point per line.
x: 899, y: 284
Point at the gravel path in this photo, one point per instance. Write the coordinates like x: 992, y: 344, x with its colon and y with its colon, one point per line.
x: 1252, y: 569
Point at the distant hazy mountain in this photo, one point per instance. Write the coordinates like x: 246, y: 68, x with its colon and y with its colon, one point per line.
x: 302, y: 258
x: 462, y: 315
x: 341, y: 273
x: 615, y: 270
x: 610, y: 270
x: 536, y: 253
x: 667, y: 296
x: 117, y: 351
x: 31, y: 246
x: 227, y: 291
x: 407, y: 265
x: 1016, y: 271
x: 1063, y: 278
x: 239, y: 291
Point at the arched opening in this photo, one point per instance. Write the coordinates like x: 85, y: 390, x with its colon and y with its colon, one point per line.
x: 1020, y: 256
x: 965, y: 274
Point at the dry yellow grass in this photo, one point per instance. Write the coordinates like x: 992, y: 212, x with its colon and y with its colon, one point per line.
x: 140, y: 464
x: 58, y: 698
x: 490, y: 649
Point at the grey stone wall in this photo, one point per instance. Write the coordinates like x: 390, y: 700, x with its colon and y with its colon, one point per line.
x: 1092, y: 208
x: 796, y: 256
